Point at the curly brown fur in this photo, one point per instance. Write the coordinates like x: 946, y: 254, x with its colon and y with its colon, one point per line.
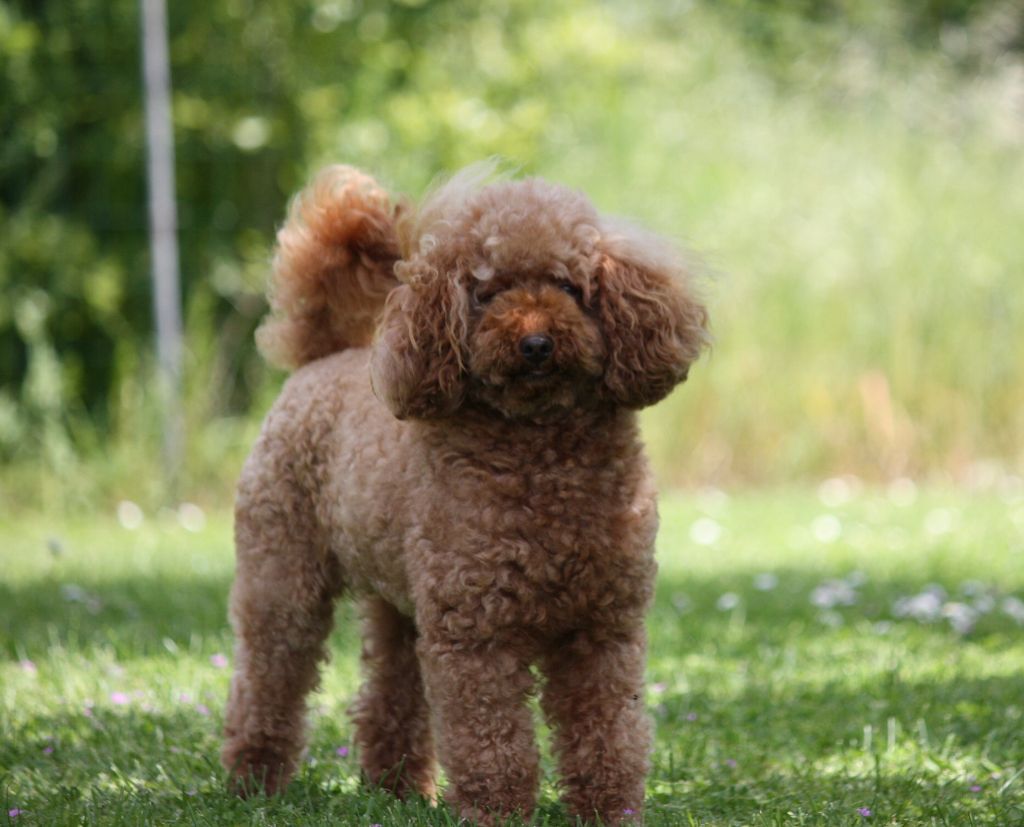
x: 488, y: 500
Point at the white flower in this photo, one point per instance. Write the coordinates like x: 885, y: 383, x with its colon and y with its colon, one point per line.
x: 129, y: 515
x: 827, y: 528
x: 960, y: 616
x: 1013, y: 607
x: 705, y: 531
x: 728, y: 601
x: 833, y: 593
x: 925, y: 607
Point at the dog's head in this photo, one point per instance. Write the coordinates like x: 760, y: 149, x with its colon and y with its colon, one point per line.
x: 519, y: 297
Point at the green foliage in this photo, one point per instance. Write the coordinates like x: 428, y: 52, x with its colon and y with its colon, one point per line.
x: 775, y: 703
x: 848, y: 167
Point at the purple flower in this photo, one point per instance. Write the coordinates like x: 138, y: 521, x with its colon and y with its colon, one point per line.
x: 118, y: 698
x: 202, y: 709
x: 27, y: 666
x: 341, y: 752
x: 691, y: 716
x: 629, y: 812
x: 219, y: 660
x: 730, y: 763
x: 864, y: 812
x: 975, y: 788
x: 14, y: 812
x: 47, y: 750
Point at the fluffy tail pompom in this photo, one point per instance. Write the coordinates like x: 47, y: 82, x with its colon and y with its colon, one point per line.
x: 333, y: 269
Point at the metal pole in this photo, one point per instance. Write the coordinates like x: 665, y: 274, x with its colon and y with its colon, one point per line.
x: 163, y: 232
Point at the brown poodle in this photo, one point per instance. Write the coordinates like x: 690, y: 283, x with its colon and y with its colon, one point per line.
x: 458, y: 449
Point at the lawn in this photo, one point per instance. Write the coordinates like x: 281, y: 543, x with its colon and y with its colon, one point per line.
x: 832, y: 656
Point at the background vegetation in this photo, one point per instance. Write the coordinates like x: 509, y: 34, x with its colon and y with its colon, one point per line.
x: 849, y: 172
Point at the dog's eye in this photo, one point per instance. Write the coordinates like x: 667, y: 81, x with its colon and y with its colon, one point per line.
x: 571, y: 289
x: 484, y: 298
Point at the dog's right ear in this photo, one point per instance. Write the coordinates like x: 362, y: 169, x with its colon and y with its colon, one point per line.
x: 417, y: 365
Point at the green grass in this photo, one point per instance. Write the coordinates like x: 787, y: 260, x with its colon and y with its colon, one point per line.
x: 769, y: 709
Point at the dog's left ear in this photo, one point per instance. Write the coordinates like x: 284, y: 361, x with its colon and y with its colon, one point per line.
x: 654, y: 323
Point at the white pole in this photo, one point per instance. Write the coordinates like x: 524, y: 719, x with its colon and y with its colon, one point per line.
x: 163, y: 231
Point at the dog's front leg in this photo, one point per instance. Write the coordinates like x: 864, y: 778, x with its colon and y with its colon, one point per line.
x: 593, y: 700
x: 477, y: 693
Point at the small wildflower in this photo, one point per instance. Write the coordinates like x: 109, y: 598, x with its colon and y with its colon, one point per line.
x: 832, y: 593
x: 727, y: 602
x: 827, y: 528
x: 202, y: 709
x: 191, y: 517
x: 658, y: 688
x: 960, y: 616
x: 341, y: 752
x: 1013, y: 607
x: 118, y: 698
x: 975, y: 788
x: 27, y: 666
x: 731, y: 763
x: 219, y: 660
x: 47, y: 750
x: 629, y: 812
x: 837, y: 491
x: 766, y: 581
x: 129, y: 515
x: 864, y: 812
x: 925, y: 607
x: 938, y: 521
x: 73, y: 593
x: 691, y: 716
x: 705, y: 531
x: 14, y: 812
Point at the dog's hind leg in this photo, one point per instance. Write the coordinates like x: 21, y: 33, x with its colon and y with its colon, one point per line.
x: 281, y: 611
x: 392, y: 720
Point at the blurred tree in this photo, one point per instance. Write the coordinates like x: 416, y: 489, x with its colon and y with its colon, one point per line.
x: 264, y: 92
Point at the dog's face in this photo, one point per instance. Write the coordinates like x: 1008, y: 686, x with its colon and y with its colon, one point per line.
x: 535, y: 346
x: 524, y: 301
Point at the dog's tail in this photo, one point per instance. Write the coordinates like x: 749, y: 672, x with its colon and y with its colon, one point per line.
x: 333, y: 268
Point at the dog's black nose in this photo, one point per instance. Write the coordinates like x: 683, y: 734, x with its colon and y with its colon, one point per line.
x: 536, y: 348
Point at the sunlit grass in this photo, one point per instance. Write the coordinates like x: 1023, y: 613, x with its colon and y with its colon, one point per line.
x: 786, y: 683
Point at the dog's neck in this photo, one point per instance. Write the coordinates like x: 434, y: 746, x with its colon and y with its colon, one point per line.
x: 587, y: 438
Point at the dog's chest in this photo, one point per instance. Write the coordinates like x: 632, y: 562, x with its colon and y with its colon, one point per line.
x: 547, y: 549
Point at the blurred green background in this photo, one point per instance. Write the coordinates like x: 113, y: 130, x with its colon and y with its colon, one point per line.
x: 850, y: 173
